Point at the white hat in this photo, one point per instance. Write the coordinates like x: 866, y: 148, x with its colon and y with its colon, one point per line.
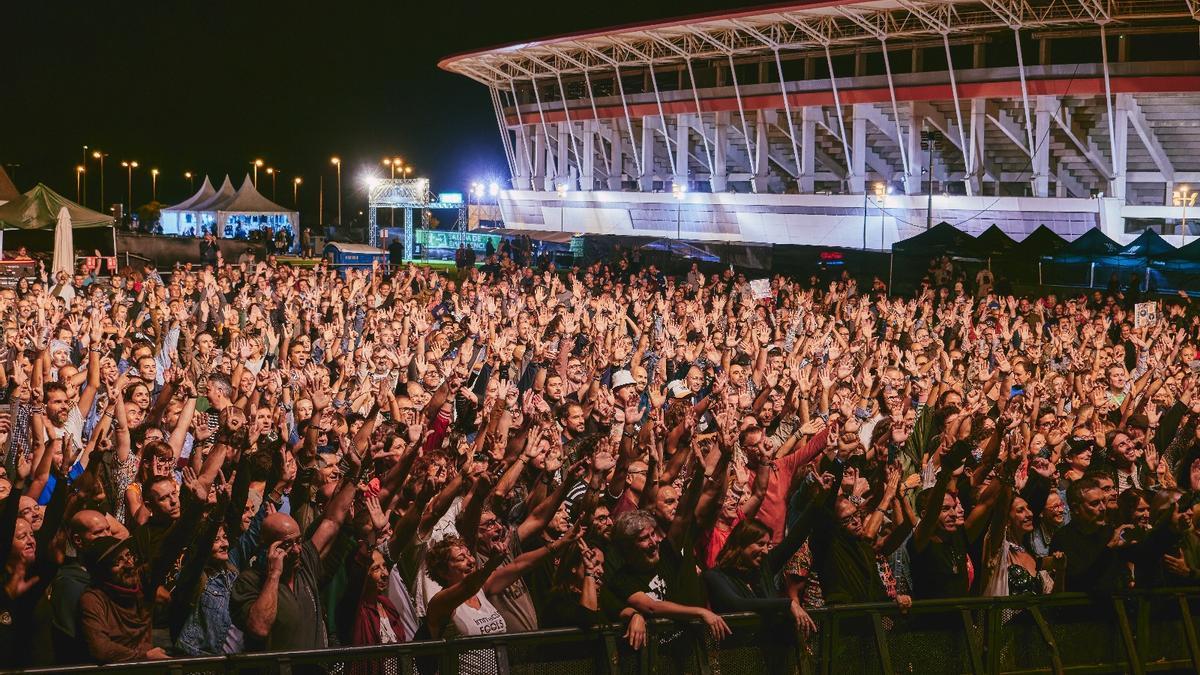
x: 622, y: 378
x: 678, y: 389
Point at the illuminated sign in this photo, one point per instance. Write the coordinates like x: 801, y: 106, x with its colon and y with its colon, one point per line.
x: 450, y: 198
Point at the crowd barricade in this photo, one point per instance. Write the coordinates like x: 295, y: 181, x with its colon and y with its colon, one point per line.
x: 1135, y: 633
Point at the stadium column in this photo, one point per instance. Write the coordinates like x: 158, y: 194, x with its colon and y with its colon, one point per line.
x: 977, y: 126
x: 808, y: 147
x: 1041, y: 151
x: 1116, y: 187
x: 916, y: 154
x: 762, y: 149
x: 521, y: 180
x: 539, y: 159
x: 587, y: 160
x: 720, y: 171
x: 858, y: 153
x: 646, y: 180
x: 563, y: 174
x: 616, y: 155
x: 682, y: 148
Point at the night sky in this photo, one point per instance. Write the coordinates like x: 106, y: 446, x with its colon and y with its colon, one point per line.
x: 208, y: 87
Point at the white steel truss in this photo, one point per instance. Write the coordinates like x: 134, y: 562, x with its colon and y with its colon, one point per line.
x: 802, y: 28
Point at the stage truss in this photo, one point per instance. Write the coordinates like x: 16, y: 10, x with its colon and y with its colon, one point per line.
x: 407, y: 194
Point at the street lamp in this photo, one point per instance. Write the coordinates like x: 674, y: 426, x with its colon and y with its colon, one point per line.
x: 78, y: 179
x: 272, y: 172
x: 129, y: 167
x: 153, y: 185
x: 191, y: 183
x: 1182, y: 197
x: 83, y: 194
x: 407, y: 170
x: 338, y: 163
x: 561, y: 189
x: 678, y: 190
x: 100, y: 156
x: 295, y: 190
x: 256, y: 163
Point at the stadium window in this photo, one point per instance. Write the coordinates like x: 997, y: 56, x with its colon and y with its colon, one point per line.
x: 873, y: 64
x: 668, y: 80
x: 793, y: 69
x: 843, y: 65
x: 1070, y: 50
x: 747, y: 74
x: 1160, y: 46
x: 1001, y: 50
x: 633, y: 83
x: 705, y: 73
x: 900, y: 58
x: 933, y: 60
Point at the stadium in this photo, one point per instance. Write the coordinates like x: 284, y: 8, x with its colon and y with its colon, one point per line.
x: 856, y: 124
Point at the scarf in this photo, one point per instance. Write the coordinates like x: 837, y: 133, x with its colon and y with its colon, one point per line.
x: 123, y: 595
x: 366, y: 623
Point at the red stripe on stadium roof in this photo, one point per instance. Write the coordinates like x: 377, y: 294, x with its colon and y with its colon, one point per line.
x: 718, y: 15
x: 934, y: 92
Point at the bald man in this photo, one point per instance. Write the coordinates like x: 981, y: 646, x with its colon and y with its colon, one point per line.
x: 276, y: 602
x: 69, y: 584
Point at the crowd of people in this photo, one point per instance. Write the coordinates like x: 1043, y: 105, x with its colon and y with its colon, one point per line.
x: 248, y: 456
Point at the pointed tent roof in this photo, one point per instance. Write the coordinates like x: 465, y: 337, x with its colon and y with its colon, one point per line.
x: 219, y: 199
x: 38, y: 210
x: 1185, y: 257
x: 1041, y: 242
x: 206, y: 191
x: 941, y: 239
x: 995, y: 241
x: 1148, y: 245
x: 1089, y: 246
x: 248, y: 200
x: 8, y: 191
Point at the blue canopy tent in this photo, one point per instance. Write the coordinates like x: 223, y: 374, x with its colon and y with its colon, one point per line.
x: 1181, y: 267
x: 1075, y: 264
x: 1146, y: 252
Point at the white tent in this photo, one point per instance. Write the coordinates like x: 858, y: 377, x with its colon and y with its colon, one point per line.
x: 205, y: 210
x: 64, y: 245
x: 248, y: 210
x: 181, y: 217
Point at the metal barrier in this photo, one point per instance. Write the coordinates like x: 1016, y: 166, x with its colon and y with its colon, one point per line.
x: 1134, y: 633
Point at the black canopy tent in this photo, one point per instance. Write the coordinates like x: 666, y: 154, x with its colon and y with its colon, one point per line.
x: 942, y: 239
x: 1040, y: 243
x: 995, y: 242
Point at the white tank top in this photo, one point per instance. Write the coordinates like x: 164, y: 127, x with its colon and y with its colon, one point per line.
x: 485, y: 620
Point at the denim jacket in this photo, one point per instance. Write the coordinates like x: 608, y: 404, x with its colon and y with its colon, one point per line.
x: 204, y: 632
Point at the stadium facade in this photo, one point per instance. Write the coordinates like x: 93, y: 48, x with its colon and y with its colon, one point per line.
x: 857, y: 123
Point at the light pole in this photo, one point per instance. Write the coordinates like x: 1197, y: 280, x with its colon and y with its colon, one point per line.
x: 191, y: 183
x: 271, y: 172
x: 256, y: 163
x: 100, y: 156
x: 296, y: 192
x: 1182, y: 197
x: 678, y: 190
x: 83, y: 194
x: 562, y: 206
x: 78, y: 179
x: 153, y: 185
x: 129, y: 167
x: 338, y: 163
x: 929, y: 143
x: 881, y: 193
x: 396, y: 164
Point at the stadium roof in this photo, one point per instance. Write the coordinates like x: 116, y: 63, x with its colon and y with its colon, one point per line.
x: 796, y: 26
